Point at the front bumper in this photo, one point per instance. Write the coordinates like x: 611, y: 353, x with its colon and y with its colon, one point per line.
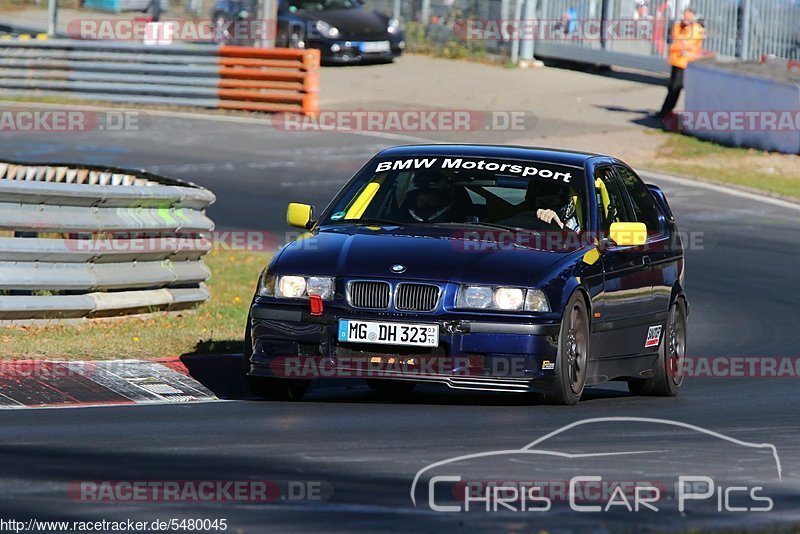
x: 349, y: 52
x: 473, y: 353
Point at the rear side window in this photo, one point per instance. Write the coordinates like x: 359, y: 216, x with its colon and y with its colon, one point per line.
x: 644, y: 205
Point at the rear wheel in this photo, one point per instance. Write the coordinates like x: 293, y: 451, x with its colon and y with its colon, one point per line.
x: 269, y: 387
x: 573, y: 353
x: 393, y: 388
x: 668, y: 375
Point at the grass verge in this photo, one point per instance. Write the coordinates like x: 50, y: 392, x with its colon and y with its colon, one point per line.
x: 774, y: 173
x: 215, y: 327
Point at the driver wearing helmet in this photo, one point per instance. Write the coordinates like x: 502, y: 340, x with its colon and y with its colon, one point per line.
x: 430, y: 198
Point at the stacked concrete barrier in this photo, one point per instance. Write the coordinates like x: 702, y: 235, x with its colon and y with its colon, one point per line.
x: 743, y: 104
x: 208, y: 76
x: 95, y: 241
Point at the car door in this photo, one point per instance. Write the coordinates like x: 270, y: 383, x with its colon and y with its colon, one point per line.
x: 621, y: 329
x: 660, y: 253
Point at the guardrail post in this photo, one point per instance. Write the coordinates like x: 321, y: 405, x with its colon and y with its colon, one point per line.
x: 605, y: 12
x: 425, y: 12
x: 527, y: 48
x: 269, y: 9
x: 747, y: 7
x: 517, y: 36
x: 52, y: 18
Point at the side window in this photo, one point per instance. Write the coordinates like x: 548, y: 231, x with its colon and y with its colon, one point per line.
x: 611, y: 200
x: 644, y: 206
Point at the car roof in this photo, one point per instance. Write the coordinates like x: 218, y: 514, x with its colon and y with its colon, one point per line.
x: 550, y: 155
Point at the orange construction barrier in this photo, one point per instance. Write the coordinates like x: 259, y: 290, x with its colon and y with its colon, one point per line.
x: 269, y: 79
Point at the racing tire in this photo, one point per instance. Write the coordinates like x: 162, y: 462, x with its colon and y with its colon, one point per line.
x: 573, y: 354
x: 281, y: 389
x: 668, y: 375
x: 392, y: 388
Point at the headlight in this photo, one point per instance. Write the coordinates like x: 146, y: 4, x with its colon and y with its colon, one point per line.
x: 502, y: 298
x: 476, y: 296
x: 394, y: 26
x: 327, y: 30
x: 509, y: 298
x: 321, y: 286
x: 300, y: 287
x: 536, y: 300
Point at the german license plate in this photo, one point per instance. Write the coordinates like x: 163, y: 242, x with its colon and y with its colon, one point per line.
x: 418, y: 335
x: 375, y: 47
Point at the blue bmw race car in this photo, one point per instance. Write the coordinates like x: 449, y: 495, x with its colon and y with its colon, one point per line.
x: 479, y: 267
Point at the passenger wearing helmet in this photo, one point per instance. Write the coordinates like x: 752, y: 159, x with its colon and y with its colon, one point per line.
x: 549, y: 202
x: 430, y: 198
x: 549, y: 206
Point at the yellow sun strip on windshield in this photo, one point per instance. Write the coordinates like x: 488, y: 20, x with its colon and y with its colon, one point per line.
x: 358, y: 207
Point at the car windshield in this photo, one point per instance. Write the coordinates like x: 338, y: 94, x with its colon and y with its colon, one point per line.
x: 322, y: 5
x: 463, y: 191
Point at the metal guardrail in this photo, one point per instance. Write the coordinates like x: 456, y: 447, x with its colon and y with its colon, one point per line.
x: 223, y: 77
x: 97, y: 241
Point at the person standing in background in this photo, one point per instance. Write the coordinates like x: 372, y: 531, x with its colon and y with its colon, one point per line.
x: 687, y: 45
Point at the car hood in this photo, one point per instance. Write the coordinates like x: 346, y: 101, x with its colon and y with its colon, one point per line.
x: 444, y: 255
x: 352, y: 23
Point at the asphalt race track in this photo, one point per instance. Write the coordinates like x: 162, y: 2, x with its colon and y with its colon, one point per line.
x: 367, y: 449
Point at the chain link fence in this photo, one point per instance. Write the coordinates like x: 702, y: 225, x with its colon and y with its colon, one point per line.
x: 745, y: 29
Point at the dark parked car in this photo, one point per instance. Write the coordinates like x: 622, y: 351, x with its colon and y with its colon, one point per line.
x: 479, y: 267
x: 343, y: 30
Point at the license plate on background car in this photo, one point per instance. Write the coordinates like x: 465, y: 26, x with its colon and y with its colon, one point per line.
x: 375, y: 47
x: 419, y: 335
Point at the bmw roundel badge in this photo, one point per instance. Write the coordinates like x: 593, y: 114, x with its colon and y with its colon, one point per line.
x: 397, y: 268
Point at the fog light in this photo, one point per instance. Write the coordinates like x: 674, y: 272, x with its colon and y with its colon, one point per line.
x: 335, y: 48
x: 402, y: 45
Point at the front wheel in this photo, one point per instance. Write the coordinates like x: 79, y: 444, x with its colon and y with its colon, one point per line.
x: 668, y: 376
x: 573, y: 353
x: 269, y: 387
